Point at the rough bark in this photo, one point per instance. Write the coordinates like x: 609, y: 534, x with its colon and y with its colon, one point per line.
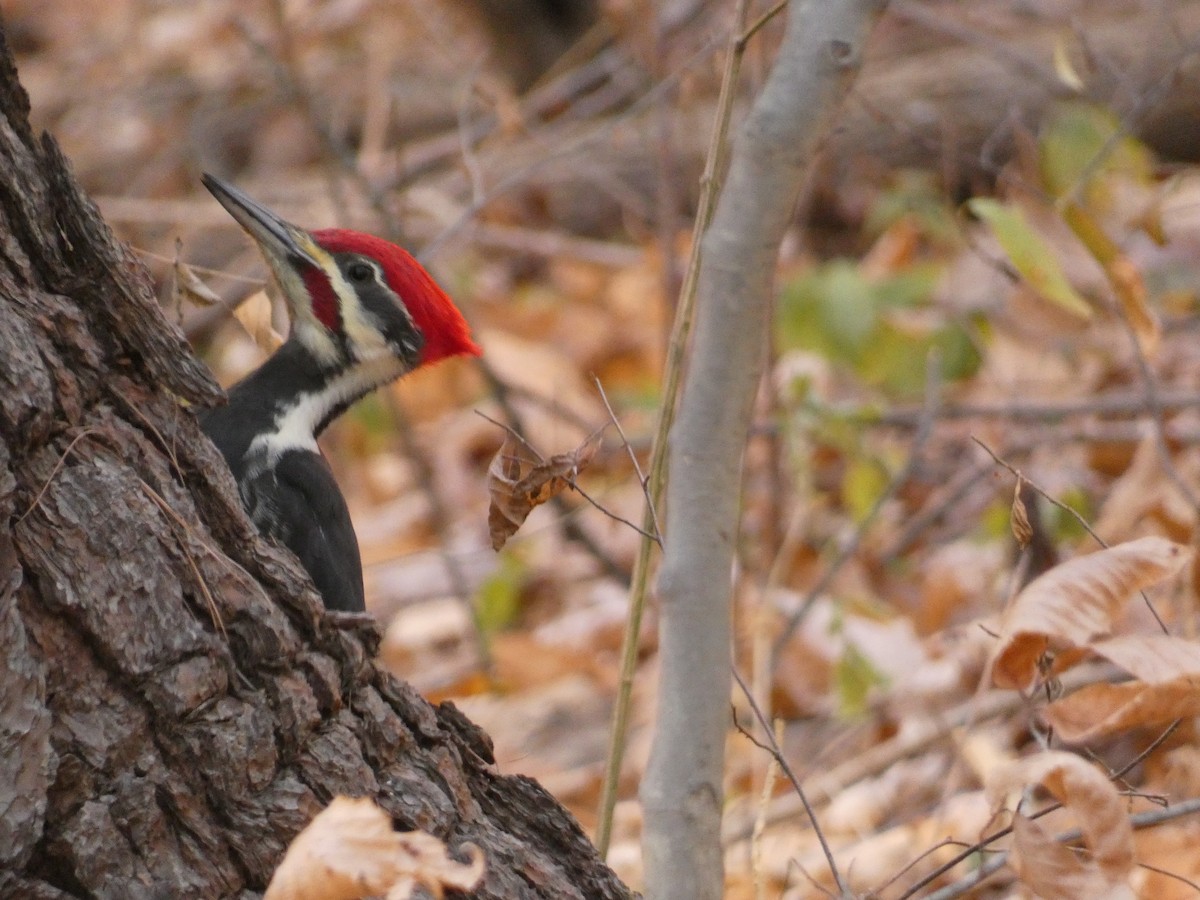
x: 175, y: 704
x: 682, y: 790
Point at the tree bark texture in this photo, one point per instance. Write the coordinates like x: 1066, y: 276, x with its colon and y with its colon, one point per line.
x: 175, y: 704
x: 682, y: 791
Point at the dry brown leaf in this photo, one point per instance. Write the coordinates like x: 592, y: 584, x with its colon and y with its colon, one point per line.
x: 1168, y: 689
x: 1021, y: 529
x: 1073, y: 604
x: 254, y: 314
x: 1137, y: 492
x: 517, y: 484
x: 350, y: 851
x: 894, y: 250
x: 1056, y: 872
x: 1101, y: 709
x: 1131, y: 291
x: 1098, y: 809
x: 189, y: 286
x: 1156, y: 658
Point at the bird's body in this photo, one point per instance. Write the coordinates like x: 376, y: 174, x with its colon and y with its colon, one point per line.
x: 363, y: 314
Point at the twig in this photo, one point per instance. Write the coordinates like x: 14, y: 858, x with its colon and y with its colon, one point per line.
x: 850, y: 547
x: 503, y: 393
x: 1004, y: 832
x: 648, y: 535
x: 87, y: 432
x: 1065, y: 507
x: 202, y: 270
x: 209, y: 600
x: 761, y: 21
x: 774, y: 749
x: 1192, y: 884
x: 637, y: 467
x: 680, y: 333
x: 520, y: 438
x: 1072, y: 512
x: 426, y: 477
x: 918, y: 737
x: 1138, y: 820
x: 1125, y: 403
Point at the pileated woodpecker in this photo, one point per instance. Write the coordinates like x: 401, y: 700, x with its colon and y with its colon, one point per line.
x: 363, y: 313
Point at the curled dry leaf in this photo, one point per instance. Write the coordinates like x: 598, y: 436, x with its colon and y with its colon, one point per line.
x: 518, y: 484
x: 189, y: 286
x: 1073, y: 604
x: 254, y: 314
x: 350, y: 851
x: 1097, y: 808
x: 1053, y: 870
x: 1168, y: 688
x: 1021, y: 529
x: 1127, y: 281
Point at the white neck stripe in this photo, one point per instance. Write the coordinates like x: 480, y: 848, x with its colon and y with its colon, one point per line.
x: 296, y: 424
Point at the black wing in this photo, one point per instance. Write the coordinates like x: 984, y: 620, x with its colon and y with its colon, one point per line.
x: 298, y: 502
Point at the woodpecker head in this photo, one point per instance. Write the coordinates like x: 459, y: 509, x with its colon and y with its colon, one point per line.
x: 353, y: 299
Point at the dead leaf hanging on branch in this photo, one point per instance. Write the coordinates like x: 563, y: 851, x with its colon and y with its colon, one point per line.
x: 189, y: 286
x: 254, y: 314
x: 518, y: 483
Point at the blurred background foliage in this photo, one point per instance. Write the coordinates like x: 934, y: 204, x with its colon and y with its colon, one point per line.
x: 999, y: 248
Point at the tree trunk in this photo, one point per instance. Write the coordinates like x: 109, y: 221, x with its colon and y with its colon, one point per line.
x: 175, y: 704
x: 682, y: 792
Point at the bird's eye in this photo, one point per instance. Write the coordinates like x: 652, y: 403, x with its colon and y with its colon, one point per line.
x: 361, y: 272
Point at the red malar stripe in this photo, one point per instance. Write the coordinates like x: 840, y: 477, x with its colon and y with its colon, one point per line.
x: 324, y: 299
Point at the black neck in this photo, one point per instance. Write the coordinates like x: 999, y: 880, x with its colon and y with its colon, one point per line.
x: 293, y: 378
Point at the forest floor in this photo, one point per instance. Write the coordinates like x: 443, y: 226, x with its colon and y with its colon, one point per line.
x: 961, y: 397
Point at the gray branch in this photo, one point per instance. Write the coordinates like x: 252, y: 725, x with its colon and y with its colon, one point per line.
x: 682, y: 792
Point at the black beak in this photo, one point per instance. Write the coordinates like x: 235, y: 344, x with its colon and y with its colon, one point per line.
x: 275, y: 236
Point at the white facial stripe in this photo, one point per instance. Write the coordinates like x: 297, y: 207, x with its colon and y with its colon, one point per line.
x: 294, y: 426
x: 359, y: 324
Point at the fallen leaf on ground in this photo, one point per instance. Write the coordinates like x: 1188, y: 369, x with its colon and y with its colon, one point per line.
x: 1168, y: 688
x: 350, y: 851
x: 1073, y: 604
x: 1050, y: 869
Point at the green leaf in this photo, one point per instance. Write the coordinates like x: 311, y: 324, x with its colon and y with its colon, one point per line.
x: 378, y: 425
x: 498, y: 601
x: 1064, y: 526
x: 961, y: 356
x: 1081, y: 144
x: 918, y: 197
x: 864, y: 482
x: 1030, y: 255
x: 854, y: 677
